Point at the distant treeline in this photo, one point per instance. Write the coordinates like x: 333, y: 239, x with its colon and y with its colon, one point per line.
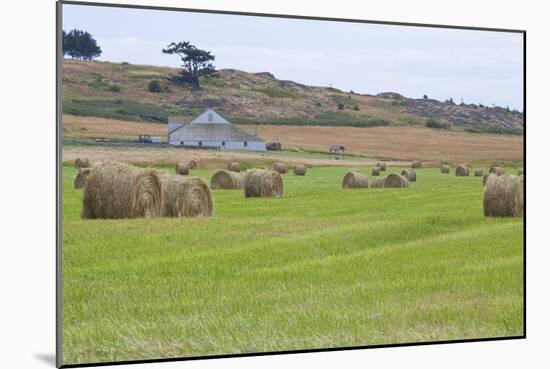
x: 333, y: 118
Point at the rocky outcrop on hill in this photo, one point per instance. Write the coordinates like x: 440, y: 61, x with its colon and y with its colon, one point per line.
x: 464, y: 114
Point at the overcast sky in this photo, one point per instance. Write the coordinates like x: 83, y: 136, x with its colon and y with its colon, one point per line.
x: 477, y: 66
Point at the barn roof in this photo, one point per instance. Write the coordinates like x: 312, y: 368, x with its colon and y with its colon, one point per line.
x: 209, y: 117
x: 211, y: 126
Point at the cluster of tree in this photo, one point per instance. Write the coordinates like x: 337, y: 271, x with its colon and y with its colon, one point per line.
x: 80, y: 45
x: 196, y: 63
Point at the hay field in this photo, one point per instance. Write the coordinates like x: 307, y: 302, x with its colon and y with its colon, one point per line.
x: 393, y: 142
x: 321, y: 267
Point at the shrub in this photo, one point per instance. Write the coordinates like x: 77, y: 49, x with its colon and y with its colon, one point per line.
x: 115, y: 87
x: 356, y: 107
x: 433, y: 123
x: 340, y: 106
x: 154, y: 86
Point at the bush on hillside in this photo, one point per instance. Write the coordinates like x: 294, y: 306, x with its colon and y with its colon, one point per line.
x: 433, y: 123
x: 115, y: 87
x: 154, y: 86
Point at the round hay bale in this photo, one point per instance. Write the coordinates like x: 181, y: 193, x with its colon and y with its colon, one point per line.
x: 185, y: 197
x: 234, y: 166
x: 497, y: 170
x: 81, y: 163
x: 118, y: 190
x: 409, y: 174
x: 300, y: 170
x: 519, y: 199
x: 462, y: 171
x: 82, y: 177
x: 381, y: 165
x: 378, y: 182
x: 376, y: 171
x: 445, y: 169
x: 227, y: 180
x: 263, y: 183
x: 182, y: 169
x: 355, y: 180
x: 520, y: 171
x: 396, y: 181
x: 281, y: 168
x: 501, y: 195
x: 479, y: 172
x: 416, y: 164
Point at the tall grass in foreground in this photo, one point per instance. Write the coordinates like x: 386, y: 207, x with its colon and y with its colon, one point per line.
x: 320, y: 267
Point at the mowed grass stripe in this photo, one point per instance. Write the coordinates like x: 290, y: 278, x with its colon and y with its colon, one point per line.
x: 321, y: 267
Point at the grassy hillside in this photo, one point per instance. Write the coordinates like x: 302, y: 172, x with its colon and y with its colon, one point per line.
x: 321, y: 267
x: 119, y: 91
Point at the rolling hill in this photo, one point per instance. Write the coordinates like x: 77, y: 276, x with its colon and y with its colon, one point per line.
x: 120, y: 91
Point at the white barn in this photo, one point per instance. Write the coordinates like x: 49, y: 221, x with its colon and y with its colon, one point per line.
x: 211, y: 130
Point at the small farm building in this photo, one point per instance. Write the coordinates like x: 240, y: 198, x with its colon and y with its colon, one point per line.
x: 211, y: 130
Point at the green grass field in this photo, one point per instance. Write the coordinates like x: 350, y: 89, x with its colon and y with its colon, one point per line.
x: 321, y: 267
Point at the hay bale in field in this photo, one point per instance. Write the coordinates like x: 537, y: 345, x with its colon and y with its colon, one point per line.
x: 82, y: 177
x: 280, y: 168
x: 300, y: 170
x: 118, y: 190
x: 519, y: 199
x: 462, y: 171
x: 416, y: 164
x: 193, y: 164
x: 520, y: 171
x: 479, y: 172
x: 81, y: 163
x: 182, y: 169
x: 185, y: 197
x: 409, y: 174
x: 234, y: 166
x: 503, y: 196
x: 263, y: 183
x: 376, y: 171
x: 445, y: 169
x: 378, y: 182
x: 355, y: 180
x: 396, y: 181
x: 227, y: 180
x: 497, y: 170
x: 381, y: 165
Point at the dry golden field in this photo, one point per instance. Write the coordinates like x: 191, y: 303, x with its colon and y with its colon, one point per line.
x: 398, y: 143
